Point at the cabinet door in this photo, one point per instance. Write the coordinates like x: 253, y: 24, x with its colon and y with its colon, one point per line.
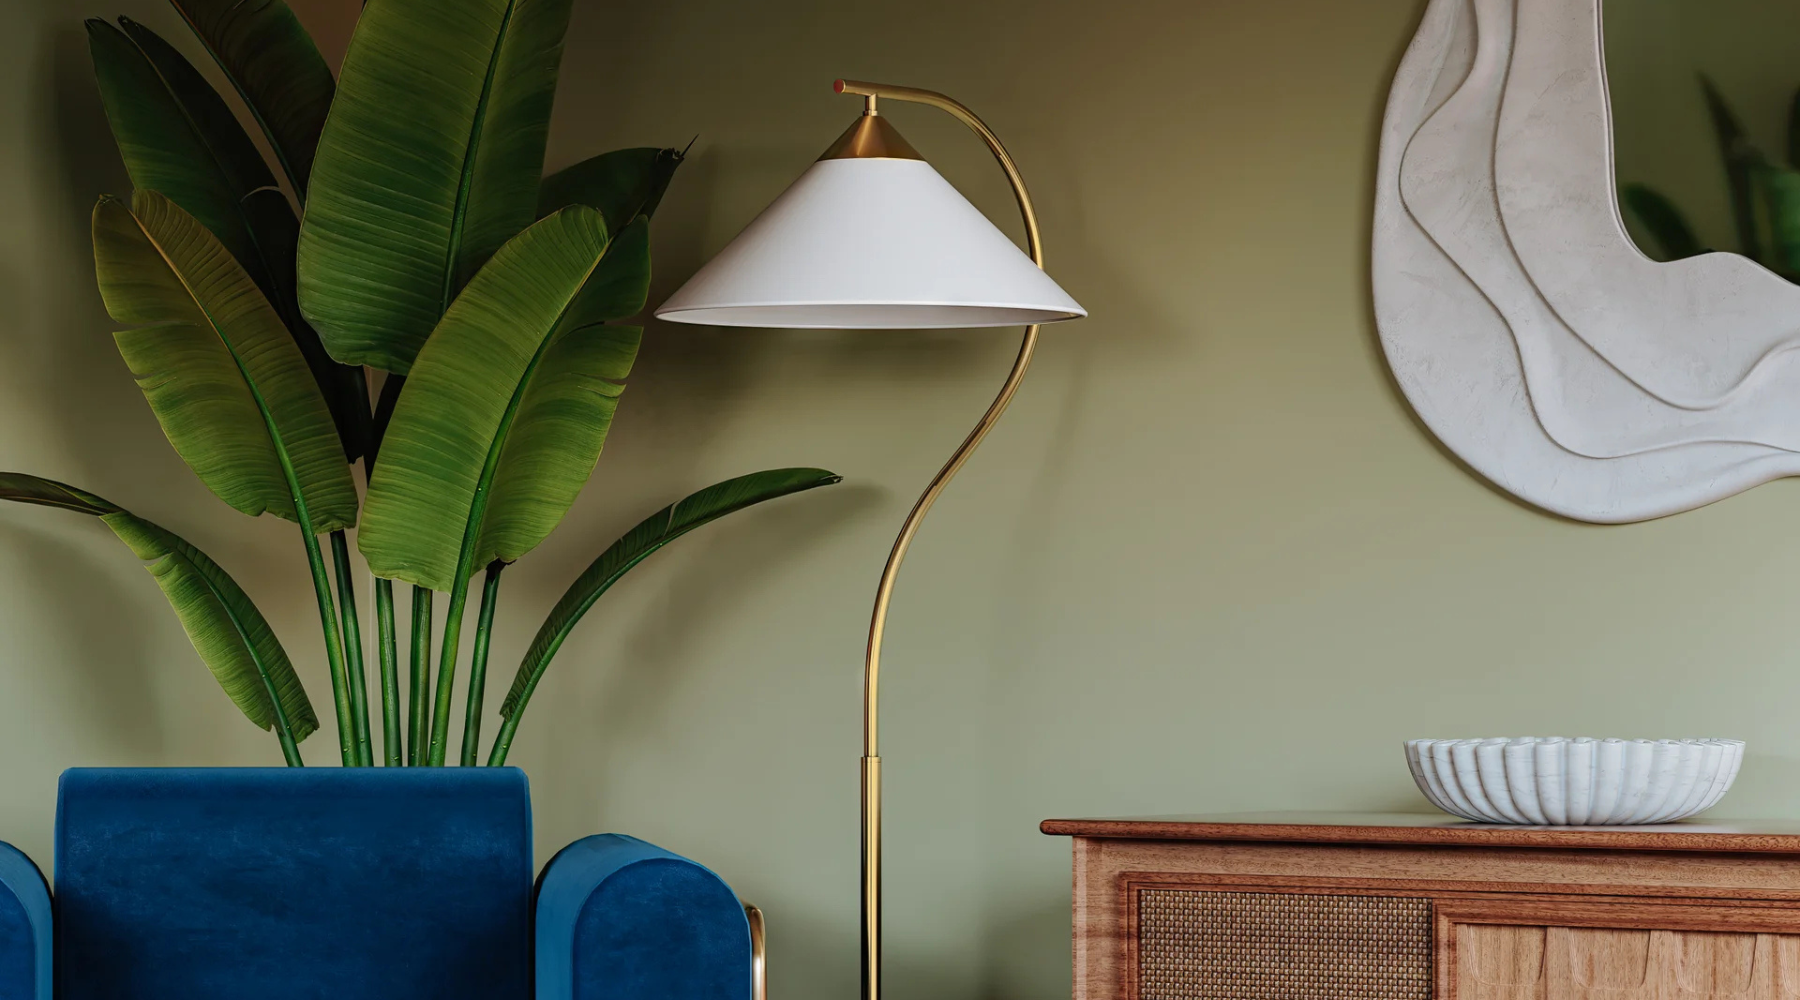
x: 1498, y: 962
x: 1206, y: 945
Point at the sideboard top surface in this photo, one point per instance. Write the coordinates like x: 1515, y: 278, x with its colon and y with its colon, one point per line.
x: 1758, y: 836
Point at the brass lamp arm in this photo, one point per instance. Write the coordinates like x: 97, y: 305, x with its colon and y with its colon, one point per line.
x: 1034, y: 247
x: 871, y: 760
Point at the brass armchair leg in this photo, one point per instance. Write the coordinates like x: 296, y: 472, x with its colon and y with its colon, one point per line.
x: 759, y: 969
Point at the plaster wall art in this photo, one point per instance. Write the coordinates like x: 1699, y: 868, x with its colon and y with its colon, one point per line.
x: 1522, y: 323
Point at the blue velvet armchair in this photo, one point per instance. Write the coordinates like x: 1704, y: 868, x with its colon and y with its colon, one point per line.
x: 308, y: 884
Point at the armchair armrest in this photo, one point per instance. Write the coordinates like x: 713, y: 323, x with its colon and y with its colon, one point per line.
x: 25, y: 928
x: 621, y: 919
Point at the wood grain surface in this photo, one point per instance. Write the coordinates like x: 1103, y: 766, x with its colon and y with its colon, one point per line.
x: 1685, y: 912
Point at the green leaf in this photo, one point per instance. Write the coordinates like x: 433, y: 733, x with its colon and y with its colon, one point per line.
x: 231, y: 390
x: 1658, y: 217
x: 430, y: 160
x: 556, y: 438
x: 24, y: 488
x: 1780, y: 187
x: 1740, y: 159
x: 620, y: 285
x: 177, y: 136
x: 638, y: 544
x: 227, y: 630
x: 504, y: 413
x: 1793, y: 131
x: 272, y: 222
x: 277, y: 70
x: 622, y: 184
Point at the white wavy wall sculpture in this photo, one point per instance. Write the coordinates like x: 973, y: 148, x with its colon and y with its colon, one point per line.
x: 1523, y: 325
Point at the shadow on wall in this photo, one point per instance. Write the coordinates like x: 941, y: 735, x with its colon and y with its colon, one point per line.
x: 1763, y: 778
x: 634, y: 698
x: 1025, y: 951
x: 1365, y: 258
x: 87, y: 388
x: 77, y: 599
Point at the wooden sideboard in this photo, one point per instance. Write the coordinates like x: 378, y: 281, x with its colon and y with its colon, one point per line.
x: 1313, y: 906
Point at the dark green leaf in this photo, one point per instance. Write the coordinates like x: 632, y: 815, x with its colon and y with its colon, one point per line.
x: 429, y: 161
x: 273, y: 224
x: 1658, y: 217
x: 178, y: 138
x: 210, y: 117
x: 277, y: 70
x: 22, y: 488
x: 1780, y: 187
x: 227, y: 630
x: 1793, y: 131
x: 620, y: 284
x: 638, y: 544
x: 1740, y: 159
x: 622, y: 184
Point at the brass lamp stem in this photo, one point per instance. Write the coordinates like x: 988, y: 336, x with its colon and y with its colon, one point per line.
x: 871, y: 761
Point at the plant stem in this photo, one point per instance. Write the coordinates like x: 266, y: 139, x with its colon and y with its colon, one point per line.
x: 418, y: 705
x: 364, y: 426
x: 384, y: 412
x: 370, y: 431
x: 389, y: 651
x: 509, y: 725
x: 290, y: 750
x: 334, y: 650
x: 484, y: 625
x: 353, y: 653
x: 446, y: 676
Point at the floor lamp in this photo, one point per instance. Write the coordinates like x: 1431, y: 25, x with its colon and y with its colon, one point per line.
x: 870, y: 237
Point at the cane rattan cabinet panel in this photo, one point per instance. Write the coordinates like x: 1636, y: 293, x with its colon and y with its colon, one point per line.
x: 1282, y: 946
x: 1314, y: 907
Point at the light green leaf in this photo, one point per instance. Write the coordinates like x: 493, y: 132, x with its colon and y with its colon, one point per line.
x: 227, y: 630
x: 429, y: 161
x: 556, y: 438
x: 622, y: 184
x: 483, y: 454
x: 277, y: 70
x: 227, y: 383
x: 638, y: 544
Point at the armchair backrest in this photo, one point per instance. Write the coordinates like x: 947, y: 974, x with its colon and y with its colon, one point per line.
x: 294, y: 884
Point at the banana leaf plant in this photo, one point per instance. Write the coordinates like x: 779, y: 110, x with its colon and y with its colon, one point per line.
x: 402, y: 224
x: 1764, y: 193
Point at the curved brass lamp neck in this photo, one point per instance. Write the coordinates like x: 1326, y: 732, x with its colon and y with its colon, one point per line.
x: 869, y: 133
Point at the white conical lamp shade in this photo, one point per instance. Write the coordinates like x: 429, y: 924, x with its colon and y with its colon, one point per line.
x: 870, y: 243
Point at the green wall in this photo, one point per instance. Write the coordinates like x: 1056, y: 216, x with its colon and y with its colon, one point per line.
x: 1209, y: 562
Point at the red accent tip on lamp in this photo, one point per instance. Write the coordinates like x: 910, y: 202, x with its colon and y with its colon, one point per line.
x: 837, y: 86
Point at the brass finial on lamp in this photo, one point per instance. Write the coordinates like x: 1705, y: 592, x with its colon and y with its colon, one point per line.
x: 872, y: 238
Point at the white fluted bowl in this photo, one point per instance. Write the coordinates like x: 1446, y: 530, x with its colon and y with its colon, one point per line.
x: 1554, y: 781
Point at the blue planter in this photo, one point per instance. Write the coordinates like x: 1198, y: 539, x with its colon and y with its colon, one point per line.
x: 403, y: 883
